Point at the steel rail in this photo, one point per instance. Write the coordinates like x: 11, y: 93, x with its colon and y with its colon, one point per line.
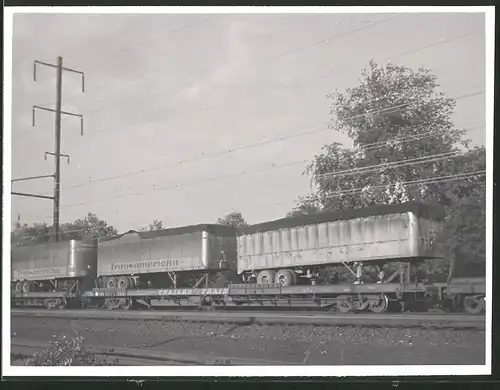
x: 143, y: 357
x: 266, y: 318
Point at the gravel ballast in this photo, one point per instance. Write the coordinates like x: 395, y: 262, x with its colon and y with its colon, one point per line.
x: 291, y: 344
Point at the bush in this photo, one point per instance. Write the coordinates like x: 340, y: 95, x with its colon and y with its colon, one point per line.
x: 66, y: 351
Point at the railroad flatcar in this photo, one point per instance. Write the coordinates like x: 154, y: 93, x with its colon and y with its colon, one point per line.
x: 168, y: 267
x: 166, y: 258
x: 465, y: 288
x: 282, y: 251
x: 54, y: 267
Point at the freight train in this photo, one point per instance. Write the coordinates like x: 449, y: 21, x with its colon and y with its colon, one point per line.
x: 281, y: 263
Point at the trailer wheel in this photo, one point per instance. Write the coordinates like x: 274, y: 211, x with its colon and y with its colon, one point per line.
x: 111, y: 283
x: 26, y: 287
x: 123, y: 282
x: 266, y: 277
x: 18, y: 287
x: 285, y: 277
x: 131, y: 282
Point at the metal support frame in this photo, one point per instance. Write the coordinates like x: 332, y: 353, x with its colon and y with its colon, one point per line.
x: 203, y: 278
x: 173, y: 278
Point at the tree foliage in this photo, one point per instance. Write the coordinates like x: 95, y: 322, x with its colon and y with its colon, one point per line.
x: 232, y: 219
x: 90, y: 226
x: 39, y: 233
x: 404, y: 147
x: 153, y: 226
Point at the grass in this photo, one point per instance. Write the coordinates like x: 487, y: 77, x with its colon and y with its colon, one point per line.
x: 66, y: 351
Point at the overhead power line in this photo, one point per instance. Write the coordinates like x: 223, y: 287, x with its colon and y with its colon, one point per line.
x: 354, y: 191
x: 283, y: 87
x: 432, y: 180
x: 204, y: 156
x: 295, y: 85
x: 277, y: 55
x: 391, y: 165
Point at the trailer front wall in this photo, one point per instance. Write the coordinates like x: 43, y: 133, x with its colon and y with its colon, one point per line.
x: 132, y: 254
x: 426, y: 236
x: 359, y: 239
x: 67, y: 259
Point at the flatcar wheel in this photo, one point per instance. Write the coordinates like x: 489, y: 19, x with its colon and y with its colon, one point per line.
x: 284, y: 277
x: 61, y: 304
x: 266, y: 277
x: 379, y: 305
x: 126, y: 303
x: 18, y: 287
x: 111, y: 303
x: 472, y: 305
x: 344, y: 304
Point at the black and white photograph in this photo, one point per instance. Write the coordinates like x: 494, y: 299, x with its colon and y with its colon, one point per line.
x: 303, y: 189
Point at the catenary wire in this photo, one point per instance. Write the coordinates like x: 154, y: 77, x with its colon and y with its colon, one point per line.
x: 296, y: 49
x: 293, y: 85
x: 393, y: 165
x: 440, y: 42
x: 354, y: 191
x: 345, y: 70
x: 243, y: 147
x: 439, y: 179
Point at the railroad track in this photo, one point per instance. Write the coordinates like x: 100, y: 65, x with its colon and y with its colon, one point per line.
x: 24, y: 348
x: 267, y: 318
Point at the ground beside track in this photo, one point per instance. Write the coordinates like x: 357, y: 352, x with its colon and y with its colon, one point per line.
x: 293, y: 344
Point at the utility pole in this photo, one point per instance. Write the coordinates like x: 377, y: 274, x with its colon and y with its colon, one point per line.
x: 57, y: 154
x: 57, y: 174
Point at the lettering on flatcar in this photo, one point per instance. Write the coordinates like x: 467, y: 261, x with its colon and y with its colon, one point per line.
x: 144, y: 264
x: 193, y: 291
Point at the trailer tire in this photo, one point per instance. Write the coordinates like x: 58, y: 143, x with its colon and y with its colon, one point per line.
x: 285, y: 278
x: 26, y: 287
x: 123, y: 282
x: 111, y: 283
x: 266, y: 277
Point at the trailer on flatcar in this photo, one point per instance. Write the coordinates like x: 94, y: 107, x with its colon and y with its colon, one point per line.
x: 175, y: 267
x: 169, y: 258
x: 287, y: 250
x: 51, y: 274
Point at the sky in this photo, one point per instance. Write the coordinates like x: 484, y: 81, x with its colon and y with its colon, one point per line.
x: 172, y: 103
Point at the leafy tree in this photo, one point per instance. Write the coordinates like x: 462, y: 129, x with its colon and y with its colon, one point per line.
x: 306, y: 205
x: 155, y: 225
x: 463, y: 236
x: 232, y: 219
x: 39, y: 233
x: 394, y: 117
x: 90, y: 226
